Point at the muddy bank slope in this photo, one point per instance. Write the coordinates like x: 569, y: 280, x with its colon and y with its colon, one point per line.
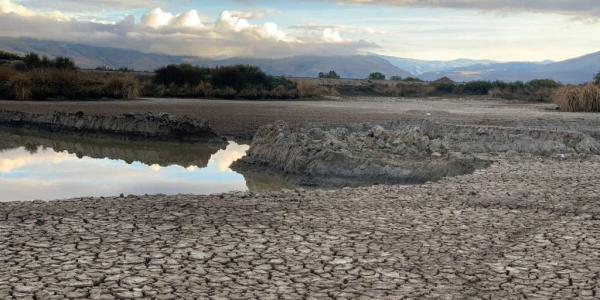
x: 157, y: 126
x: 398, y: 151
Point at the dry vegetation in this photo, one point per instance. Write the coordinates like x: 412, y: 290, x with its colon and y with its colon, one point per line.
x: 58, y: 84
x: 584, y: 98
x: 308, y: 88
x: 535, y: 90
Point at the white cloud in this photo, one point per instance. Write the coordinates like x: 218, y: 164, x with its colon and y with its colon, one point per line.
x: 156, y: 18
x: 9, y: 7
x: 231, y: 34
x: 190, y: 19
x: 332, y: 35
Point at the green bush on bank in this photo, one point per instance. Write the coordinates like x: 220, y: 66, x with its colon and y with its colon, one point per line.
x: 329, y: 75
x: 228, y: 82
x: 9, y: 56
x: 376, y: 76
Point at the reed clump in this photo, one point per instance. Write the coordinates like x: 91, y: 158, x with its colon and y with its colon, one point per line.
x: 308, y: 88
x: 65, y: 84
x: 584, y: 98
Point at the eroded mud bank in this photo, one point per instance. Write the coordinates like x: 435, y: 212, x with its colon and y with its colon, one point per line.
x: 399, y: 151
x: 156, y: 126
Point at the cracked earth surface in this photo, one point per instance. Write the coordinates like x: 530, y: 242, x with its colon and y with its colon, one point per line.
x: 516, y: 230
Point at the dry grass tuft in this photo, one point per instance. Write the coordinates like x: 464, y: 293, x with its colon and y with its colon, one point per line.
x: 308, y: 88
x: 21, y: 86
x: 578, y: 98
x: 122, y: 87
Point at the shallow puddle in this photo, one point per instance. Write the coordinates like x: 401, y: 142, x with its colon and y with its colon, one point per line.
x: 36, y: 166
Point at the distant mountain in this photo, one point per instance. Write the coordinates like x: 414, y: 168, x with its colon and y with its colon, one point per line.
x: 90, y: 56
x: 357, y: 66
x: 495, y: 71
x: 85, y: 56
x: 574, y: 71
x: 418, y: 67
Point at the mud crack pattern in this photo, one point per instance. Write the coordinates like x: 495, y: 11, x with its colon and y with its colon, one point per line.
x: 515, y: 230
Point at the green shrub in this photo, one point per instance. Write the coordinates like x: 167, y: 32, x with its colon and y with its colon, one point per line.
x: 241, y: 77
x: 247, y: 82
x: 444, y: 88
x: 478, y: 87
x: 329, y: 75
x: 396, y: 78
x: 376, y: 76
x: 181, y: 75
x: 33, y: 61
x: 543, y: 83
x: 9, y: 56
x: 412, y: 79
x: 597, y: 78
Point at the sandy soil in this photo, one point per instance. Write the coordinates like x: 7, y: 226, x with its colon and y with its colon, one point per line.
x: 243, y: 118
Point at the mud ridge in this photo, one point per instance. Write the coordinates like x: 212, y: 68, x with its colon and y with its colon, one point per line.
x: 156, y: 126
x: 397, y: 151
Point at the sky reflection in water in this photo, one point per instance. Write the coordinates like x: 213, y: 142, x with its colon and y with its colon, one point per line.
x: 41, y: 173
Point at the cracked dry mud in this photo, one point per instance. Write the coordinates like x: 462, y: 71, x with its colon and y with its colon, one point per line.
x: 517, y: 229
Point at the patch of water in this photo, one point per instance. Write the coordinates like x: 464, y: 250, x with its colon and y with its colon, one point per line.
x: 37, y: 166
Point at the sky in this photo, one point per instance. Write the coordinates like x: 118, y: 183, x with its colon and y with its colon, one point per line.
x: 504, y: 30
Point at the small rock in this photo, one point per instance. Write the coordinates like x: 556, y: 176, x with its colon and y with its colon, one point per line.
x: 135, y: 280
x: 199, y: 255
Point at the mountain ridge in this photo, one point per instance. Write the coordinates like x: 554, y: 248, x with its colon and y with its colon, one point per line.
x: 575, y: 70
x: 87, y: 56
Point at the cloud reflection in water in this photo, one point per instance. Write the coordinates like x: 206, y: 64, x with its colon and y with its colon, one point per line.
x: 46, y: 174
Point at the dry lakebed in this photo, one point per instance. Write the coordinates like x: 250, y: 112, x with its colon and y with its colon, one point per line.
x: 520, y: 220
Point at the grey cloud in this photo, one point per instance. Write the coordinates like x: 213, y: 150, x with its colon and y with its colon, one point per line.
x: 589, y: 8
x: 77, y: 5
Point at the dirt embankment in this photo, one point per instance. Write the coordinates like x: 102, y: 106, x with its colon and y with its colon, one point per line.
x: 399, y: 151
x: 147, y: 126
